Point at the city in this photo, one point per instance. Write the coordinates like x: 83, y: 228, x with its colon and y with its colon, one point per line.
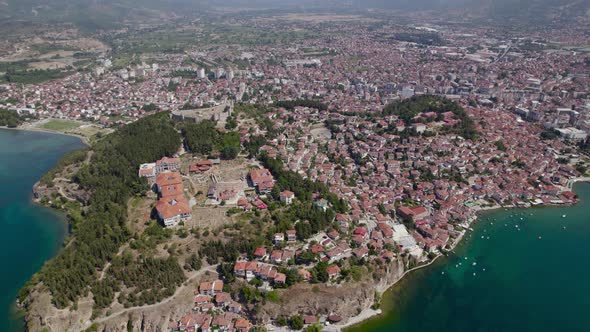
x: 293, y: 182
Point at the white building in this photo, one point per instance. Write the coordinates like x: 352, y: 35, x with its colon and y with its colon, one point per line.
x: 201, y: 73
x: 572, y: 133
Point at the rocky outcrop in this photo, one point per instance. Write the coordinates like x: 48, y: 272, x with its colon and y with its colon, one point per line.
x: 346, y: 300
x: 43, y: 315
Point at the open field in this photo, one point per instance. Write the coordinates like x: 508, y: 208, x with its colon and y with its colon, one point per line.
x: 324, y: 18
x: 59, y: 125
x: 89, y: 130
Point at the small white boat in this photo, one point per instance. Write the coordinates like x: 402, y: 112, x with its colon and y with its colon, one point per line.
x: 540, y: 237
x: 563, y: 216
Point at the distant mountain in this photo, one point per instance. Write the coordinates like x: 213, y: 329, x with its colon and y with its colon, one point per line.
x: 93, y: 14
x: 528, y: 10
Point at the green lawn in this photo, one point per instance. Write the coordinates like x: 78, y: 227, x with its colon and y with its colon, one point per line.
x: 60, y: 125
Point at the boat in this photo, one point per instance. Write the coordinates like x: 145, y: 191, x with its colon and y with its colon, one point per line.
x: 563, y: 216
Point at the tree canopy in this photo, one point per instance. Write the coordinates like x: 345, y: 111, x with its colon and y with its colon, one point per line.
x: 9, y: 119
x: 291, y: 104
x: 408, y: 109
x: 111, y: 177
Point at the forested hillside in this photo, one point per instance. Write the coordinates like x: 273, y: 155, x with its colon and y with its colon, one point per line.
x: 111, y: 177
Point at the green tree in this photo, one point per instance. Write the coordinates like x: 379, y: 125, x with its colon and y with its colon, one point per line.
x: 230, y: 145
x: 296, y: 322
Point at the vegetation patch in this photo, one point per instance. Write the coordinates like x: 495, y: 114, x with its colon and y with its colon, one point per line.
x: 112, y: 178
x: 60, y: 125
x: 10, y: 119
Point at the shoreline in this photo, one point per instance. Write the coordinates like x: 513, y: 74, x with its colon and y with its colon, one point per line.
x: 572, y: 182
x: 368, y: 313
x: 30, y: 127
x: 17, y: 311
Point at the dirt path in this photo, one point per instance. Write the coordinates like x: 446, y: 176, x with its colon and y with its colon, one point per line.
x: 108, y: 264
x: 60, y: 188
x: 212, y: 268
x: 61, y: 192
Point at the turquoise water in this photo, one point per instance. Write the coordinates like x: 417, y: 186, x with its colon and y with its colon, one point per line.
x: 529, y: 283
x: 30, y: 234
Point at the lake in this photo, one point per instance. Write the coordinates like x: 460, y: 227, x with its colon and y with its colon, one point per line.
x: 30, y: 234
x: 528, y: 271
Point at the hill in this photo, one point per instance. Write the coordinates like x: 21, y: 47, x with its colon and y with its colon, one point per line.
x: 95, y: 14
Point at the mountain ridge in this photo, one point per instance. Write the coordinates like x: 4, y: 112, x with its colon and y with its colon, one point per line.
x: 97, y: 14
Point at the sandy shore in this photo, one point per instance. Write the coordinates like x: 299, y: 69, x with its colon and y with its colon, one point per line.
x: 31, y: 127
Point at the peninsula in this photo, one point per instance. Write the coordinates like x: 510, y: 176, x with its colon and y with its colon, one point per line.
x: 277, y: 171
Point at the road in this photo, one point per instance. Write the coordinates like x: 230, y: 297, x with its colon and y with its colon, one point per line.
x: 503, y: 54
